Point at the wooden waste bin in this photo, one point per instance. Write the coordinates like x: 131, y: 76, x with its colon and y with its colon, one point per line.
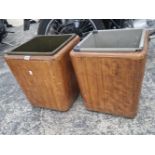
x: 109, y: 66
x: 43, y: 68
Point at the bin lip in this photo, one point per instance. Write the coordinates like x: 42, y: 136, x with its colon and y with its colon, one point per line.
x: 77, y: 48
x: 35, y: 53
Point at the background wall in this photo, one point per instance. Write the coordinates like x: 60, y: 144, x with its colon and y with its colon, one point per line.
x: 15, y: 22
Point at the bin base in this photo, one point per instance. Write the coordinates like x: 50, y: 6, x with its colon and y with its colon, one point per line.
x: 62, y: 109
x: 129, y: 115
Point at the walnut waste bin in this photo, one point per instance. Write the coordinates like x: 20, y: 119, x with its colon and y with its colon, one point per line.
x: 43, y: 68
x: 109, y: 66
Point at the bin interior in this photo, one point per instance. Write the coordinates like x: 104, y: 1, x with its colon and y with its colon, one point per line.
x: 113, y: 40
x: 42, y: 45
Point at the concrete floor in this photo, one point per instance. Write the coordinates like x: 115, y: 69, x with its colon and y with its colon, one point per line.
x: 17, y: 116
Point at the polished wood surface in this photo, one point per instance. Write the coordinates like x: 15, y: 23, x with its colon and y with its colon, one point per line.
x: 111, y: 82
x: 47, y: 81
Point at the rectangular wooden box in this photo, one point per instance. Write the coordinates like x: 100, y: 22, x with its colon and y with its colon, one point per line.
x: 109, y: 66
x: 44, y: 71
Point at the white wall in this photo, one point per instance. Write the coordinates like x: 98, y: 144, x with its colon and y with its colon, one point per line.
x: 15, y: 22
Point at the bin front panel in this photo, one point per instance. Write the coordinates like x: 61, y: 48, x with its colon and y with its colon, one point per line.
x: 46, y: 84
x: 110, y: 85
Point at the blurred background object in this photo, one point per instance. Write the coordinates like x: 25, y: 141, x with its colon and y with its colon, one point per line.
x: 16, y: 31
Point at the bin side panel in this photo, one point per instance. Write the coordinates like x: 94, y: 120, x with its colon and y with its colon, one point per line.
x: 110, y: 85
x: 79, y: 67
x: 65, y: 83
x: 69, y: 78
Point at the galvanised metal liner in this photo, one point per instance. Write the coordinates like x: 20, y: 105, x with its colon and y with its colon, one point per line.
x: 42, y: 45
x: 126, y: 40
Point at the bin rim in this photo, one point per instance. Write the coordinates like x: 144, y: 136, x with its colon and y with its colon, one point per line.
x: 77, y: 48
x: 35, y: 53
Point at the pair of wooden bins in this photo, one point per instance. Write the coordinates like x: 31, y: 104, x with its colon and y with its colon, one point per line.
x: 109, y: 66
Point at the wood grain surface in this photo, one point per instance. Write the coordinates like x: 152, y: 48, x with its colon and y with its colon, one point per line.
x: 47, y: 81
x: 111, y: 82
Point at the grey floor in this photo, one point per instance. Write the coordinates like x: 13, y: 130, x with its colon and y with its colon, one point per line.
x: 17, y: 116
